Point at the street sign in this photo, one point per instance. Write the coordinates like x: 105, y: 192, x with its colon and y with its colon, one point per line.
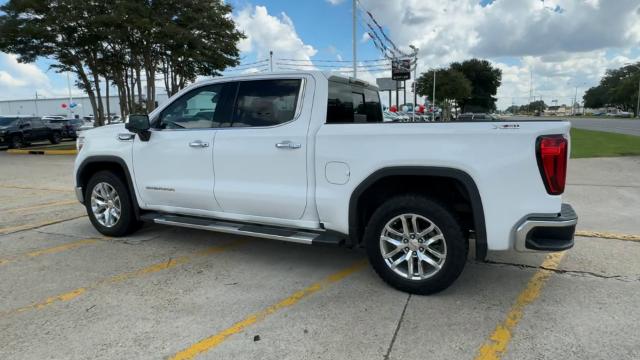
x: 401, y: 69
x: 386, y: 84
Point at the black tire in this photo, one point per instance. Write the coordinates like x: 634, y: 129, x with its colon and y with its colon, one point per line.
x: 457, y: 245
x: 16, y: 142
x: 55, y: 137
x: 127, y: 223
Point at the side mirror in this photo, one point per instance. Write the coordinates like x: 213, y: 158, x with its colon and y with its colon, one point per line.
x: 139, y: 124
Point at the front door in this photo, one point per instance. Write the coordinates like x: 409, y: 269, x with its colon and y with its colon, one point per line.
x: 174, y: 169
x: 260, y: 160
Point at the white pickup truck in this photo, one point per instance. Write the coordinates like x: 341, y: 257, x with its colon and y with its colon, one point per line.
x: 306, y: 157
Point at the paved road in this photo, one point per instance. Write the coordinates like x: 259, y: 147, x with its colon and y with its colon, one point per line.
x: 621, y: 126
x: 69, y: 293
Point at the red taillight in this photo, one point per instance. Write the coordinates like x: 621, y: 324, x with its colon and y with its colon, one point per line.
x: 552, y: 160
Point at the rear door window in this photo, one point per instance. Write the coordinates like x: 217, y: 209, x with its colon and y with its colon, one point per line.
x: 266, y: 102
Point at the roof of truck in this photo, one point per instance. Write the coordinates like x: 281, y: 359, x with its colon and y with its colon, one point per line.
x: 327, y: 74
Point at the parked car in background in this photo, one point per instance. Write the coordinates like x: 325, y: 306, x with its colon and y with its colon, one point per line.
x: 70, y: 127
x: 18, y: 131
x: 53, y: 117
x: 389, y: 116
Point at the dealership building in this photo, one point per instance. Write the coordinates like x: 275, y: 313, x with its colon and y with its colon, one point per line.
x: 60, y: 106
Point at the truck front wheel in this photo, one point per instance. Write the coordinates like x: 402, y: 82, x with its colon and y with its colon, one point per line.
x: 55, y: 137
x: 109, y: 205
x: 416, y: 244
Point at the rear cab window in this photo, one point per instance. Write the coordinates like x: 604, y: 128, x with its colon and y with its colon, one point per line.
x: 352, y: 102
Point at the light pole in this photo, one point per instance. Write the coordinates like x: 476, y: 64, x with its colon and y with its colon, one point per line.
x: 575, y: 97
x: 353, y: 34
x: 415, y: 79
x: 638, y: 104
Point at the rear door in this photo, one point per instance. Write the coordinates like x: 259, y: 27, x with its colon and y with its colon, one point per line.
x: 39, y: 129
x: 260, y: 160
x: 27, y: 129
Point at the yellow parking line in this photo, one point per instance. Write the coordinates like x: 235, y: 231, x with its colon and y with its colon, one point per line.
x: 496, y: 345
x: 608, y: 235
x: 50, y: 250
x: 164, y: 265
x: 8, y: 186
x: 42, y: 206
x: 13, y: 229
x: 215, y: 340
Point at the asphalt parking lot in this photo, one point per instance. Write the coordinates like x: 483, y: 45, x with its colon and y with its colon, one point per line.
x: 69, y: 293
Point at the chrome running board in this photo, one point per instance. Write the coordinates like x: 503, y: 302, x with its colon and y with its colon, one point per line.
x: 261, y: 231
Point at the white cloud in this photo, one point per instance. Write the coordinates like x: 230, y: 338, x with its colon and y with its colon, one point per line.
x: 22, y: 81
x: 266, y: 33
x: 562, y: 42
x: 335, y: 2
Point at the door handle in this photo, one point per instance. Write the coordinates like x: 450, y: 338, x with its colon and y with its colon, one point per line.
x: 198, y: 144
x: 288, y: 145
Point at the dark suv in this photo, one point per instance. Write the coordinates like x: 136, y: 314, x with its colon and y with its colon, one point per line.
x: 17, y: 131
x: 69, y: 127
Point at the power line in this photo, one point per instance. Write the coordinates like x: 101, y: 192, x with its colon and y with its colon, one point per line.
x: 334, y: 61
x: 396, y: 51
x: 331, y: 66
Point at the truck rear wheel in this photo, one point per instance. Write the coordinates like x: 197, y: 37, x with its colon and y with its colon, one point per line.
x: 416, y: 244
x: 109, y: 205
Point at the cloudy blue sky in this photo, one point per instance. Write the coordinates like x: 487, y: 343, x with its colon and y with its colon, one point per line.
x: 563, y: 43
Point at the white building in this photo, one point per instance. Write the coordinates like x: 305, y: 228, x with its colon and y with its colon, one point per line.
x: 53, y: 106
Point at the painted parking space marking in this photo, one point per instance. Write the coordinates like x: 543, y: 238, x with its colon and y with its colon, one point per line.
x: 42, y: 206
x: 51, y: 250
x: 20, y: 187
x: 499, y: 340
x: 215, y: 340
x: 118, y: 278
x: 608, y: 235
x: 35, y: 225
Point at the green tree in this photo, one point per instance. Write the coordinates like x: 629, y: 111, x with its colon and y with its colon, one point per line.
x: 117, y: 42
x: 485, y: 81
x: 618, y: 87
x: 452, y: 87
x: 596, y: 97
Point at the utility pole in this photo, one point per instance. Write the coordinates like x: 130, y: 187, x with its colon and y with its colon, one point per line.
x: 353, y: 33
x: 575, y: 100
x: 70, y: 99
x: 271, y: 60
x: 36, y: 102
x: 404, y: 90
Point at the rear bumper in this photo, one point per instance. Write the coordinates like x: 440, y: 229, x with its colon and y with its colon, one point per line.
x: 546, y: 233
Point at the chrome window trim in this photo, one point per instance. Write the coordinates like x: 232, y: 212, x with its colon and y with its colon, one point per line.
x: 300, y: 102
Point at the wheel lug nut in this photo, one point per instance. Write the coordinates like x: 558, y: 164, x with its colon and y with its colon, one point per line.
x: 421, y: 249
x: 406, y: 249
x: 405, y: 241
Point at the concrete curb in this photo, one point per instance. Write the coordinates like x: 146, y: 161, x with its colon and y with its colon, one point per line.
x: 42, y: 152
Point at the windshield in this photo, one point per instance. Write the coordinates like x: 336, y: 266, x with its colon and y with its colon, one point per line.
x: 7, y: 121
